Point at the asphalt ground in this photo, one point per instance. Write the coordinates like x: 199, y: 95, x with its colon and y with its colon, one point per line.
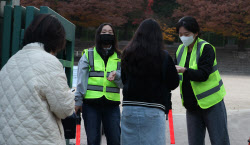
x: 237, y: 103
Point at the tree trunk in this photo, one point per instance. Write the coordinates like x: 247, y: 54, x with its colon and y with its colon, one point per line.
x: 241, y: 44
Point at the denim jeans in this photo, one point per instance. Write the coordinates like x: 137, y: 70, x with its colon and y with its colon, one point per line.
x: 109, y: 116
x: 214, y: 119
x: 143, y: 126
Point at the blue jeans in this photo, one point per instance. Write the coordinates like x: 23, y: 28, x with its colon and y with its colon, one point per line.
x: 109, y: 116
x: 143, y: 126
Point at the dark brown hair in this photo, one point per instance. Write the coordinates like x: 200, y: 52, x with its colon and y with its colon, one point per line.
x: 48, y: 30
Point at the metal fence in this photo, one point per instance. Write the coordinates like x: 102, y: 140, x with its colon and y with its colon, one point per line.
x: 16, y: 19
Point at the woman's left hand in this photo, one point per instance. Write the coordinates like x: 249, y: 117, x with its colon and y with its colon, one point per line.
x: 180, y: 69
x: 112, y: 76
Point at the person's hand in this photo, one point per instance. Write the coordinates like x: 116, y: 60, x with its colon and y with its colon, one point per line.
x: 112, y: 76
x: 78, y: 108
x: 180, y: 69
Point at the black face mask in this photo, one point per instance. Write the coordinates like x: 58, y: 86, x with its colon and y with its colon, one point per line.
x: 107, y: 39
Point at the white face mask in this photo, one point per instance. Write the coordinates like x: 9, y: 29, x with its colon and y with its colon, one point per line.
x: 187, y: 40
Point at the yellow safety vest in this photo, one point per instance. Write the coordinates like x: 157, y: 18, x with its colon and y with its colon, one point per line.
x: 211, y: 91
x: 98, y: 85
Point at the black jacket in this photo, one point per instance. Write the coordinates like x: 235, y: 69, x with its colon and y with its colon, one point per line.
x: 151, y: 91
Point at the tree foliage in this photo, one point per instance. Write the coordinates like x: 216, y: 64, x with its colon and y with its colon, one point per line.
x: 230, y: 18
x: 168, y: 33
x: 91, y: 13
x: 162, y: 12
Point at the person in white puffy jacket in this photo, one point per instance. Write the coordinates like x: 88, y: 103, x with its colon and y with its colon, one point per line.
x: 34, y: 95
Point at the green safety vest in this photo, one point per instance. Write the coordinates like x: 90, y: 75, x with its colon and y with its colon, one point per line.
x: 211, y: 91
x: 98, y: 85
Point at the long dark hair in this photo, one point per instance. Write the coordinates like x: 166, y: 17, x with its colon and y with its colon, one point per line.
x: 98, y: 39
x: 46, y: 29
x: 143, y: 55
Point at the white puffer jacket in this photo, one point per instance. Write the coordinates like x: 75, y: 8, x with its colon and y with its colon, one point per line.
x: 34, y: 97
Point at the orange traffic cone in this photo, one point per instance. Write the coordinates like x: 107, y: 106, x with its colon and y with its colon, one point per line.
x: 171, y: 127
x: 78, y: 128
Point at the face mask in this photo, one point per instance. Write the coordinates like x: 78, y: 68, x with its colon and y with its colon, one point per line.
x: 107, y: 39
x: 187, y: 40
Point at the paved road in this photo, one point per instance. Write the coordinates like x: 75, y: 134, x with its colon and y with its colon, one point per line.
x: 238, y: 107
x: 238, y: 125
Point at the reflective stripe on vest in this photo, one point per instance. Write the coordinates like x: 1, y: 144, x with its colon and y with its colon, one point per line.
x: 180, y: 55
x: 210, y: 92
x: 95, y: 88
x: 118, y: 65
x: 91, y: 59
x: 96, y: 74
x: 112, y: 90
x: 197, y: 57
x: 98, y: 85
x: 91, y: 63
x: 100, y: 88
x: 197, y: 52
x: 207, y: 93
x: 180, y: 77
x: 214, y: 68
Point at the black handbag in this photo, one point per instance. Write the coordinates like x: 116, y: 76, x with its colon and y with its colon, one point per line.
x: 69, y: 126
